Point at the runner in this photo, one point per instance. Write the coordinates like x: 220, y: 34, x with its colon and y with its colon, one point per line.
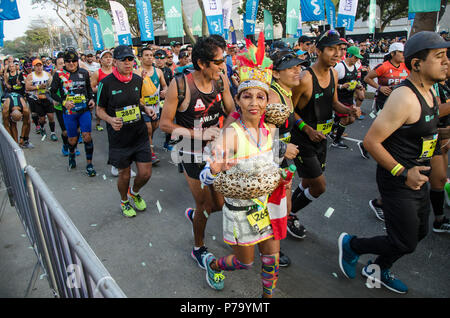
x: 14, y: 80
x: 197, y: 119
x: 348, y: 88
x: 118, y: 104
x: 176, y: 47
x: 105, y: 69
x: 402, y: 141
x: 72, y: 88
x: 390, y: 73
x: 157, y: 77
x: 15, y: 109
x: 37, y: 85
x: 314, y: 101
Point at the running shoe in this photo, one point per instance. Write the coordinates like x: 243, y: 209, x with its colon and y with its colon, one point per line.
x: 99, y: 128
x: 180, y: 168
x: 43, y: 132
x: 377, y: 209
x: 77, y: 153
x: 361, y: 117
x: 168, y: 147
x: 363, y: 150
x: 339, y: 144
x: 139, y: 203
x: 127, y: 209
x: 386, y: 278
x: 197, y: 255
x: 442, y: 227
x: 189, y: 214
x: 38, y: 129
x: 294, y: 227
x: 213, y: 278
x: 65, y: 150
x: 347, y: 257
x: 72, y: 162
x: 155, y: 159
x: 27, y: 145
x: 53, y: 137
x: 90, y: 171
x: 285, y: 261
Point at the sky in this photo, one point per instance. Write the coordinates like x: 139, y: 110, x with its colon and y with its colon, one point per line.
x: 28, y: 12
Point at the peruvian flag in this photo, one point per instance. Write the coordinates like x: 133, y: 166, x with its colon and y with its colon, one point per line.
x: 277, y: 207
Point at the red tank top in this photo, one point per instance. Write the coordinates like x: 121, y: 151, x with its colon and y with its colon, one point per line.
x: 101, y: 74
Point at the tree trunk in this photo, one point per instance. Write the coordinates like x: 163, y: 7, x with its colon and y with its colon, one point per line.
x: 186, y: 28
x: 205, y: 31
x: 424, y: 21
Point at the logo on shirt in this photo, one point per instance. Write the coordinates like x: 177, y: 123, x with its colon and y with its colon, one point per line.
x: 199, y: 105
x: 116, y: 92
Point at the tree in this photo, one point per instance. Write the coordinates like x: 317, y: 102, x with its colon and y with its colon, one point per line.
x: 276, y: 8
x: 426, y: 21
x: 34, y: 41
x: 390, y: 10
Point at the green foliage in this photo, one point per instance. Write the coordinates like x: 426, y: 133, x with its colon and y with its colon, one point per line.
x: 389, y: 10
x: 33, y: 40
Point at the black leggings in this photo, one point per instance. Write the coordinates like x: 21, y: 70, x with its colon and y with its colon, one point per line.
x: 406, y: 215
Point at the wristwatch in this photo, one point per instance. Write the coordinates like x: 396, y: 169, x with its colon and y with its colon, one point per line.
x: 403, y: 175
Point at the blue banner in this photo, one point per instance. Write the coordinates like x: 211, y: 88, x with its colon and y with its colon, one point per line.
x: 346, y: 21
x: 251, y: 10
x: 312, y: 10
x: 331, y: 13
x: 411, y: 16
x: 145, y: 16
x: 2, y: 35
x: 9, y: 10
x: 233, y: 33
x: 96, y: 34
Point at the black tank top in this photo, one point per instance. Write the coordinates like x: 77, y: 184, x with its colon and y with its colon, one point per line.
x: 444, y: 95
x: 345, y: 95
x: 414, y: 144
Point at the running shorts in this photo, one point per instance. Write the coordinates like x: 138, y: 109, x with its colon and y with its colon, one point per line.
x: 73, y: 121
x: 311, y: 164
x: 42, y: 107
x: 122, y: 158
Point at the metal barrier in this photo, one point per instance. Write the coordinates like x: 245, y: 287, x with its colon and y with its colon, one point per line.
x: 71, y: 267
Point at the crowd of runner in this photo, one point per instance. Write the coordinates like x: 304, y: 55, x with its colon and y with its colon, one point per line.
x: 210, y: 100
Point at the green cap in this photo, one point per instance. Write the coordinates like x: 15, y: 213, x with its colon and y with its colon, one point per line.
x: 353, y: 50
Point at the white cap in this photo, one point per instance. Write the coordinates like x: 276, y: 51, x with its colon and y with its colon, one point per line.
x: 104, y: 52
x: 397, y: 46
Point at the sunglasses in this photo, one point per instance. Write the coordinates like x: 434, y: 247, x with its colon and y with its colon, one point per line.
x: 286, y: 58
x: 328, y: 33
x: 128, y: 58
x: 218, y: 62
x: 159, y: 57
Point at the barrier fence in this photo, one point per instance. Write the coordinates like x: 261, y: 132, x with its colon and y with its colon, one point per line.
x: 68, y: 262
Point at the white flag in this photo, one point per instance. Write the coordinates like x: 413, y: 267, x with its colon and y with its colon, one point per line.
x: 121, y: 23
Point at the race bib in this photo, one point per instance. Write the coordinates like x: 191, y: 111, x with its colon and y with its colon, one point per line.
x: 428, y: 146
x: 258, y: 217
x: 325, y: 128
x: 79, y: 102
x: 151, y: 100
x: 41, y: 94
x: 129, y: 114
x: 286, y: 138
x: 17, y: 87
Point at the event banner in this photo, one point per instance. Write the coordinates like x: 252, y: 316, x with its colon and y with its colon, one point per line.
x: 107, y: 29
x: 9, y: 10
x: 251, y: 9
x: 197, y: 22
x: 174, y: 19
x: 214, y: 18
x: 227, y: 6
x: 313, y: 10
x: 292, y: 13
x: 96, y: 34
x: 346, y: 14
x: 268, y: 25
x: 331, y: 13
x: 233, y: 33
x: 145, y: 16
x: 299, y: 26
x: 372, y: 15
x: 424, y: 5
x: 121, y: 23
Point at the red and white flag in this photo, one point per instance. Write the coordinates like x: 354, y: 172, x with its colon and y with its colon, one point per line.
x: 277, y: 207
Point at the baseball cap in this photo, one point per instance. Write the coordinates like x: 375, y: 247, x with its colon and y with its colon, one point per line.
x: 161, y: 53
x: 36, y: 61
x: 304, y: 38
x: 397, y: 46
x: 105, y: 52
x: 175, y: 43
x: 344, y: 40
x: 123, y: 51
x: 183, y: 54
x: 424, y: 40
x: 70, y: 54
x: 329, y: 38
x: 354, y: 50
x: 300, y: 52
x: 284, y: 59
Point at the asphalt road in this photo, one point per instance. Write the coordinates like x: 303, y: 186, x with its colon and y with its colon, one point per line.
x: 149, y: 255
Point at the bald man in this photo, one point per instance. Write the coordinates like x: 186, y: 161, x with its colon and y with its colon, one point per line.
x: 14, y: 110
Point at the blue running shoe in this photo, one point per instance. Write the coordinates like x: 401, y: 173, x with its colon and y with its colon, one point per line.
x: 189, y: 213
x: 65, y: 150
x: 347, y: 258
x: 386, y: 278
x: 197, y: 255
x: 213, y: 278
x: 77, y: 152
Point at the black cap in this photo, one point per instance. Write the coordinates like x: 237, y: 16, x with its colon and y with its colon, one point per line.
x: 424, y: 40
x: 70, y: 55
x: 161, y: 53
x: 304, y: 38
x: 183, y: 54
x: 123, y: 51
x: 175, y: 43
x: 284, y: 59
x: 329, y: 38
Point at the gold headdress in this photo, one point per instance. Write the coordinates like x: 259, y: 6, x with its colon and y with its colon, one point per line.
x: 255, y: 69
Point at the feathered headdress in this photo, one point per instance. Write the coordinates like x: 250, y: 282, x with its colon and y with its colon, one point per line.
x: 255, y: 69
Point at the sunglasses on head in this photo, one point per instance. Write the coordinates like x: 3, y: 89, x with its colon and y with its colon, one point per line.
x: 218, y: 62
x: 328, y: 33
x: 159, y: 57
x: 128, y: 58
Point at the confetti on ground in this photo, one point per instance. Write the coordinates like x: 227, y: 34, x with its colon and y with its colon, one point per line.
x: 335, y: 275
x: 23, y: 235
x: 93, y: 225
x: 372, y: 115
x: 158, y: 206
x: 41, y: 277
x: 104, y: 177
x: 329, y: 212
x: 143, y: 264
x: 214, y: 238
x: 150, y: 244
x: 43, y: 137
x: 161, y: 190
x: 74, y: 188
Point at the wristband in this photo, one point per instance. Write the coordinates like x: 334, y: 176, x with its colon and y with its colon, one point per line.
x: 302, y: 124
x: 396, y: 169
x: 298, y: 121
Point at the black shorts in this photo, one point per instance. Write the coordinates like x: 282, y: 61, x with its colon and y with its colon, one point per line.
x: 41, y: 106
x: 122, y: 158
x: 311, y: 164
x: 193, y: 169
